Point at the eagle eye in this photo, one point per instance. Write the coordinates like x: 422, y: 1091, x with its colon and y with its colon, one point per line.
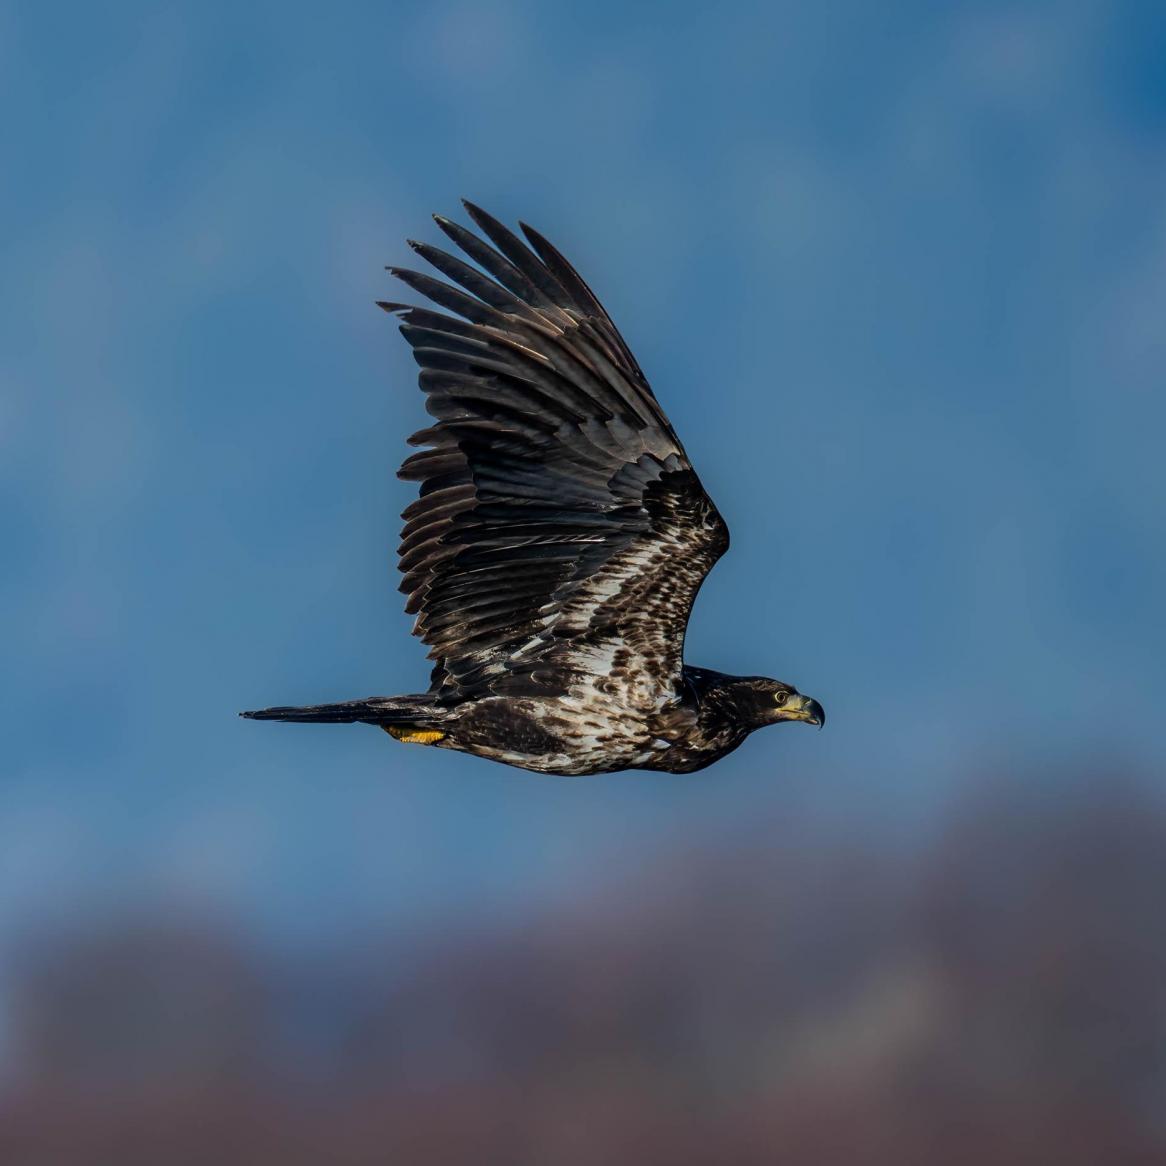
x: 780, y: 696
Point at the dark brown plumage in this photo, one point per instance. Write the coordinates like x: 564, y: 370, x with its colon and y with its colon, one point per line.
x: 560, y: 536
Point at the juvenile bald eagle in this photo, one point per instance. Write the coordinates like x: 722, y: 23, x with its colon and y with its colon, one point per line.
x: 560, y: 536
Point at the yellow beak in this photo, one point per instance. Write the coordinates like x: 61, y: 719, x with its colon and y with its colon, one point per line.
x: 804, y: 708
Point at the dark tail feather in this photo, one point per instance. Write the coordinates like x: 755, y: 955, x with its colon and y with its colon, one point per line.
x: 376, y: 710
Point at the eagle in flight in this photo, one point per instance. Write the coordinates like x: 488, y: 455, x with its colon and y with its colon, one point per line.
x: 560, y: 536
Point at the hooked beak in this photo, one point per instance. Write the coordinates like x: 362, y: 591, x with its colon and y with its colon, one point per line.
x: 804, y: 708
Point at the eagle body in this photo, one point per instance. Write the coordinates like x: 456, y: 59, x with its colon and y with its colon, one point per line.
x: 590, y: 730
x: 560, y: 535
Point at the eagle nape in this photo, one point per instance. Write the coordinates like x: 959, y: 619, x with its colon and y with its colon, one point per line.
x: 560, y: 536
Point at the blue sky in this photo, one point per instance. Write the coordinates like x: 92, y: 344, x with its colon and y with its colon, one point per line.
x: 897, y: 271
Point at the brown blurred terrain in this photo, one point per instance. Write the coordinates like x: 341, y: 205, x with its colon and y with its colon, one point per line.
x: 993, y: 993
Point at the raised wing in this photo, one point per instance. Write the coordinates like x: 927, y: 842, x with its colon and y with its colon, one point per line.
x: 561, y: 534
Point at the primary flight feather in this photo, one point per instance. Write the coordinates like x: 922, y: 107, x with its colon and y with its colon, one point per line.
x: 560, y: 536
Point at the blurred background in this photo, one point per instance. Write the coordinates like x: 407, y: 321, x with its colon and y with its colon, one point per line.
x: 898, y: 273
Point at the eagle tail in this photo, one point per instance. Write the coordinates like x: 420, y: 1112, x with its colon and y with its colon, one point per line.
x: 416, y: 710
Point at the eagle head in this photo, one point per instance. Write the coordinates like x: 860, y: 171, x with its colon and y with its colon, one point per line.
x: 760, y: 701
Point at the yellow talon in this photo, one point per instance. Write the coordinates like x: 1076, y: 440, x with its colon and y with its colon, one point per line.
x: 410, y: 736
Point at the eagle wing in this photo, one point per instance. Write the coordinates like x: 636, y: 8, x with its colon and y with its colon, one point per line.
x: 561, y: 534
